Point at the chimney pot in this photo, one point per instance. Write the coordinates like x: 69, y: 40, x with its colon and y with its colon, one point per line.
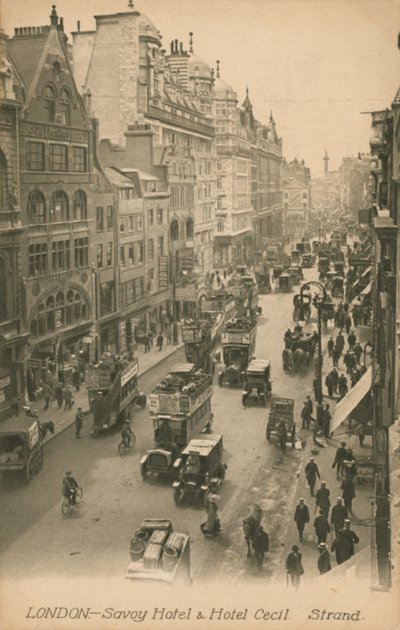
x: 78, y: 26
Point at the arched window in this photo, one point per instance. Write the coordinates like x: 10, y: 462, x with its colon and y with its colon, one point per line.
x: 189, y: 228
x: 50, y: 103
x: 36, y: 207
x: 174, y: 230
x: 65, y: 105
x: 4, y: 196
x: 58, y: 311
x: 3, y: 291
x: 59, y: 206
x: 79, y: 208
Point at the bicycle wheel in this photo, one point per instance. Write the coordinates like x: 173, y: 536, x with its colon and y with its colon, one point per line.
x: 65, y: 507
x: 132, y: 440
x: 121, y: 448
x: 79, y: 494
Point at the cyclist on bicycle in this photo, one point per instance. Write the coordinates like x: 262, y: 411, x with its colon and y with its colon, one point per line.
x: 70, y: 486
x: 126, y: 434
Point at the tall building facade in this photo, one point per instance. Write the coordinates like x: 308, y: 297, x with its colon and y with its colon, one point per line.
x: 297, y: 202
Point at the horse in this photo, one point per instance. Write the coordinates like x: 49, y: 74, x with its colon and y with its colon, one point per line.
x: 251, y: 524
x: 44, y: 427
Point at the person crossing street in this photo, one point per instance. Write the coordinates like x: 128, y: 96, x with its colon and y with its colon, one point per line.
x: 312, y: 472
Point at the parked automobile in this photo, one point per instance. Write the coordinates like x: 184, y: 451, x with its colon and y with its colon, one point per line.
x: 20, y: 446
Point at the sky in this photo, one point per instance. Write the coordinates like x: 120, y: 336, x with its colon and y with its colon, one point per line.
x: 317, y: 64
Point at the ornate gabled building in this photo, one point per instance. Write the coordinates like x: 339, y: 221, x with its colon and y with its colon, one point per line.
x: 297, y: 204
x: 61, y: 188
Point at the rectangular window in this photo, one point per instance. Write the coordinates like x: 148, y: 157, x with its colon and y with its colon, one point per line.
x: 131, y: 254
x: 139, y: 252
x: 151, y: 216
x: 110, y: 217
x: 161, y: 245
x: 139, y: 222
x: 131, y: 223
x: 58, y: 157
x: 122, y: 224
x: 100, y: 218
x: 150, y: 249
x: 130, y: 292
x: 35, y: 156
x: 159, y: 216
x: 122, y: 256
x: 81, y: 252
x: 79, y: 159
x: 37, y: 259
x: 106, y: 298
x: 109, y: 254
x: 99, y: 256
x: 61, y: 255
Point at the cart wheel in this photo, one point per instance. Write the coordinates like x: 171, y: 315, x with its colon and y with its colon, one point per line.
x: 79, y: 494
x: 121, y: 448
x: 65, y: 507
x: 268, y: 433
x: 143, y: 470
x: 38, y: 461
x: 29, y: 469
x: 177, y: 496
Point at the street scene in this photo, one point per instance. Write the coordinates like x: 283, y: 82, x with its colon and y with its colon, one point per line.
x: 198, y: 310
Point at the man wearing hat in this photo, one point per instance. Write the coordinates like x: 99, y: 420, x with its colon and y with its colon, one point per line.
x: 78, y: 422
x: 350, y: 537
x: 260, y: 545
x: 338, y: 515
x: 341, y: 548
x: 348, y: 493
x: 70, y: 486
x: 301, y: 517
x: 294, y: 567
x: 322, y: 500
x: 340, y: 456
x: 321, y: 526
x: 212, y: 524
x: 305, y: 416
x: 312, y: 472
x: 324, y: 560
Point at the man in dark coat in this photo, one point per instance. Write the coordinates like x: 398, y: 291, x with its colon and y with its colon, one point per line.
x: 326, y: 421
x: 347, y: 323
x: 340, y: 342
x: 76, y: 379
x: 340, y: 456
x: 322, y: 500
x: 59, y: 394
x: 260, y: 545
x: 358, y: 352
x: 335, y: 379
x: 294, y: 567
x: 336, y: 356
x: 312, y: 472
x: 348, y: 493
x: 351, y: 340
x: 341, y: 548
x: 79, y: 422
x: 324, y: 560
x: 342, y: 386
x: 310, y: 404
x: 321, y: 526
x: 338, y: 515
x: 350, y: 537
x: 305, y: 416
x: 329, y: 384
x: 330, y: 346
x: 301, y: 517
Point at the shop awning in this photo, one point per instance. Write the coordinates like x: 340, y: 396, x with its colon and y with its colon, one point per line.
x: 366, y: 272
x: 367, y: 289
x: 344, y: 408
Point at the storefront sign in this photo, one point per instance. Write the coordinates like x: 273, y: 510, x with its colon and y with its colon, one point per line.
x: 34, y: 364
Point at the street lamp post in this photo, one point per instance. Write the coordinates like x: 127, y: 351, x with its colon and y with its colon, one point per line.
x: 318, y: 302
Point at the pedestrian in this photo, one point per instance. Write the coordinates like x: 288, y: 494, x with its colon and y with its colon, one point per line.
x: 340, y: 342
x: 324, y: 560
x: 329, y: 384
x: 335, y: 356
x: 212, y: 525
x: 326, y: 421
x: 325, y: 320
x: 305, y: 416
x: 312, y: 472
x: 160, y: 341
x: 68, y: 397
x: 335, y: 379
x: 342, y: 386
x: 146, y: 340
x: 349, y: 463
x: 350, y: 537
x: 78, y: 422
x: 338, y: 515
x: 260, y: 546
x: 341, y: 548
x: 151, y: 337
x: 351, y: 340
x: 322, y: 500
x: 347, y: 323
x: 59, y: 395
x: 310, y: 405
x: 348, y: 493
x: 340, y: 456
x: 301, y: 517
x: 321, y: 526
x: 358, y: 352
x: 294, y: 567
x: 76, y: 379
x: 47, y: 395
x: 347, y: 361
x: 330, y: 345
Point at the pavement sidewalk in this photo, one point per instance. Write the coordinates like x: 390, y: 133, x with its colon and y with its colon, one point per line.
x: 63, y: 419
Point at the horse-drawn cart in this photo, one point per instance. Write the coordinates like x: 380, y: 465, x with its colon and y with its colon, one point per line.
x: 281, y: 425
x: 20, y: 446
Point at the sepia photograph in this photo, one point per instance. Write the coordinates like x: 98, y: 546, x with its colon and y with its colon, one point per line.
x: 199, y: 314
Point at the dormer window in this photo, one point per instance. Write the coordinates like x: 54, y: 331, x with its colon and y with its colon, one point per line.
x: 50, y: 103
x: 65, y: 106
x: 56, y: 72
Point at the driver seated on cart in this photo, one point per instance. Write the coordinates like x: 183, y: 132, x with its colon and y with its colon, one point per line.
x: 70, y: 486
x: 126, y: 434
x: 193, y: 464
x: 164, y: 433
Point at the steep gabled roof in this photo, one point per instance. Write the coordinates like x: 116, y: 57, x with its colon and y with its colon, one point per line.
x: 26, y: 53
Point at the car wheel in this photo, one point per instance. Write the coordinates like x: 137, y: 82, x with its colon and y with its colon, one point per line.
x: 143, y: 470
x: 38, y: 462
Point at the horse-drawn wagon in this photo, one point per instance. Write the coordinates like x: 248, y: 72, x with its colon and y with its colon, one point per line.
x: 281, y: 425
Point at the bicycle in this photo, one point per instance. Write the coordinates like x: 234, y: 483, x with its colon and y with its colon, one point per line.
x: 66, y: 505
x: 124, y: 448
